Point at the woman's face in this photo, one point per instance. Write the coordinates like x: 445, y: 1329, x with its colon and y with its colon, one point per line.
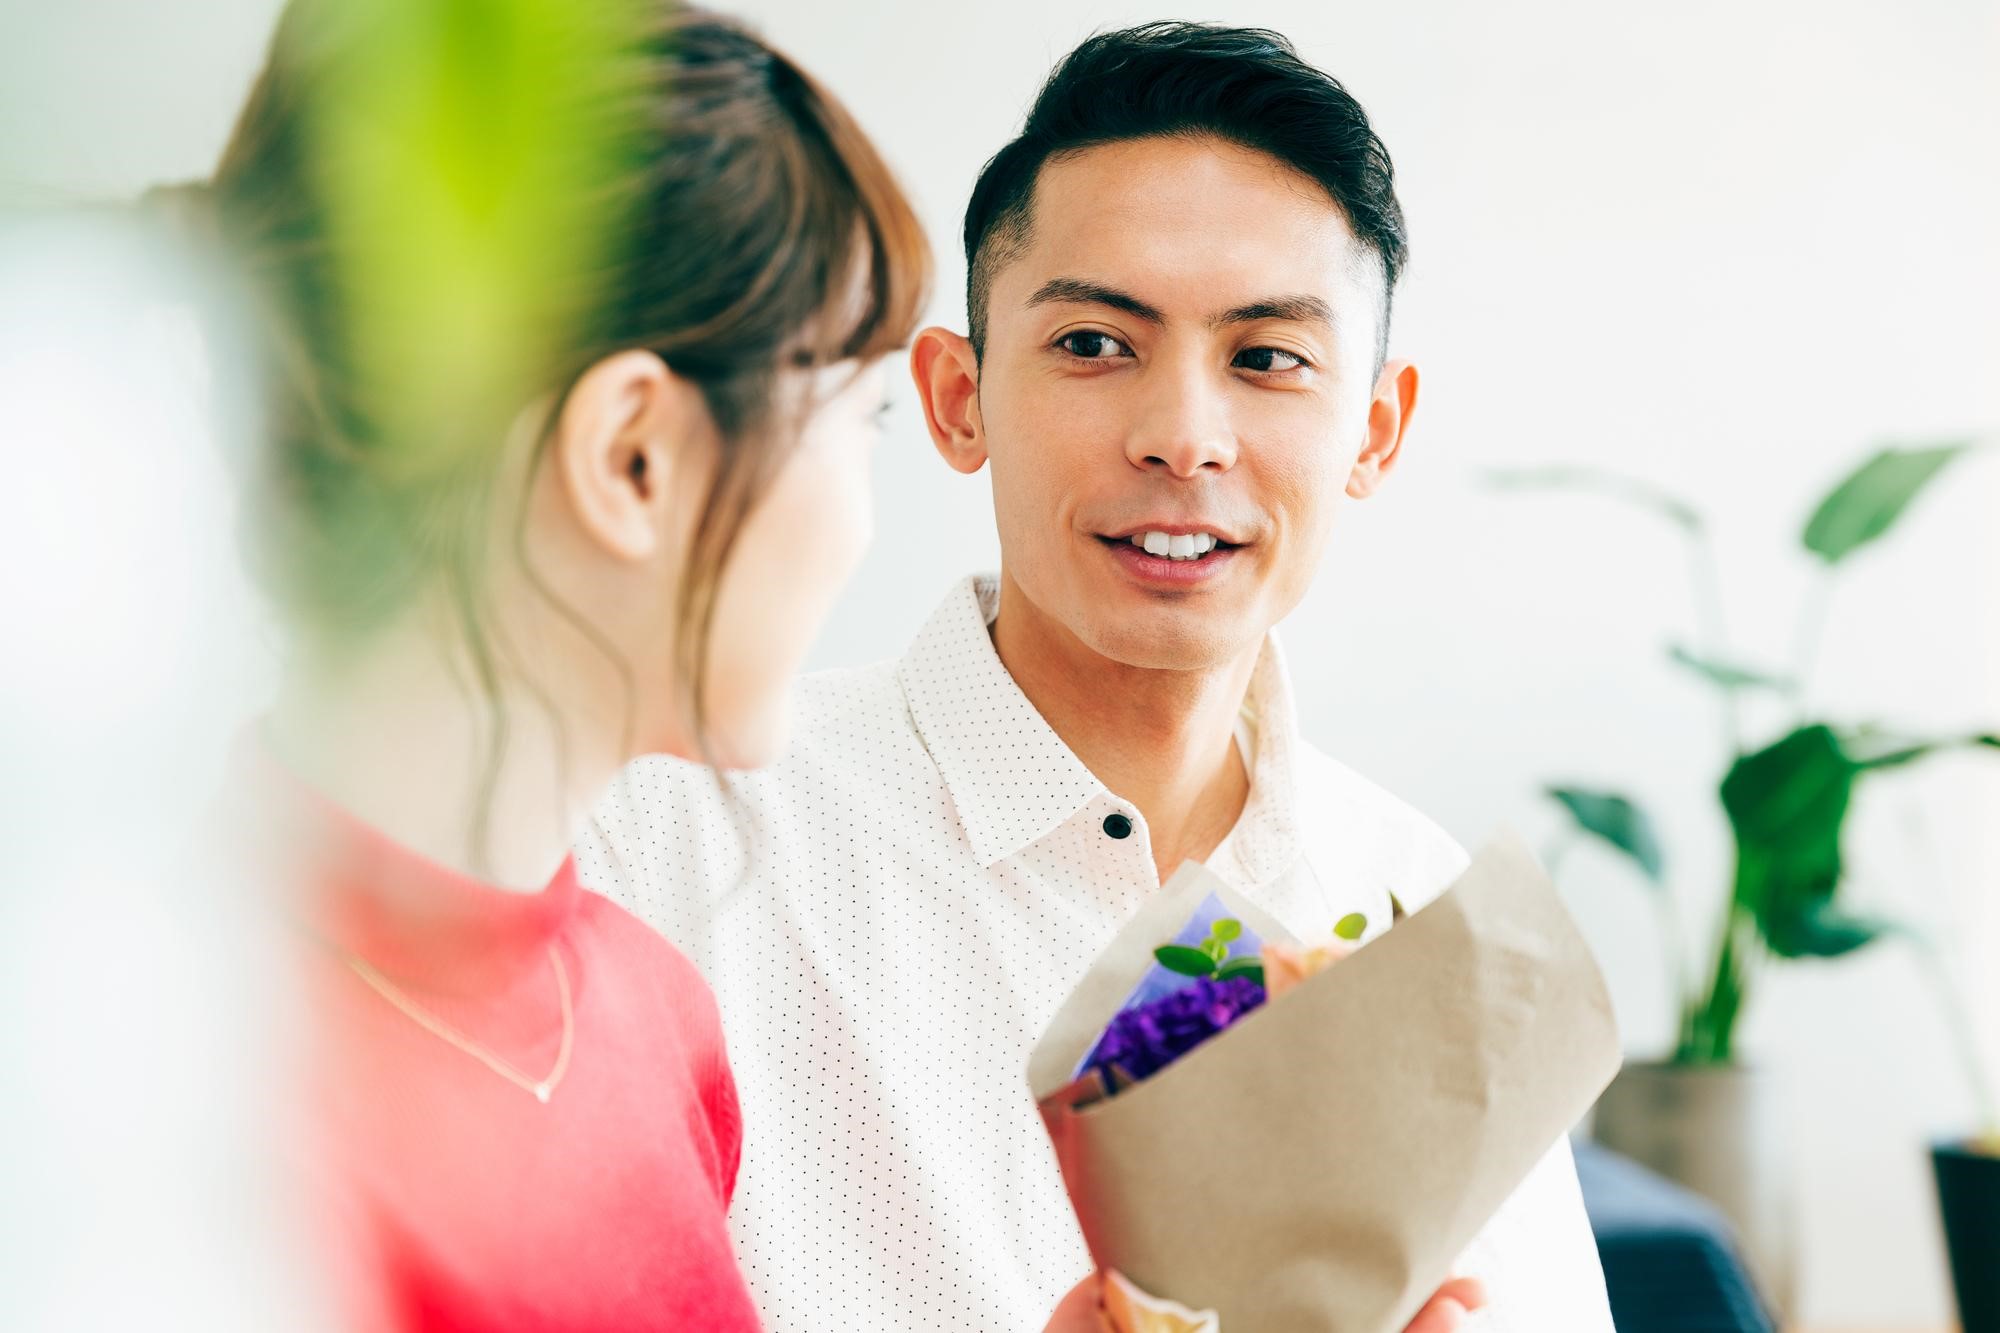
x: 794, y: 554
x: 612, y: 522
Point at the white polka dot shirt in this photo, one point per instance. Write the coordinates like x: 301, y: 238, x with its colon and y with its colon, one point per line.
x: 890, y: 917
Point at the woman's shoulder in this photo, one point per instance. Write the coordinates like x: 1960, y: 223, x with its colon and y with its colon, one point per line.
x: 624, y: 946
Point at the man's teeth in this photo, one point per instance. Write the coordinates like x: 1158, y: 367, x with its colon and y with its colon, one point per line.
x: 1176, y: 545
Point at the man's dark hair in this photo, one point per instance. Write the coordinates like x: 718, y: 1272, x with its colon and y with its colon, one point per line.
x: 1244, y: 85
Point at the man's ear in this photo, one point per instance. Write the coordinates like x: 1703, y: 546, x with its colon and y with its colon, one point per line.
x: 625, y: 429
x: 1388, y: 418
x: 947, y: 378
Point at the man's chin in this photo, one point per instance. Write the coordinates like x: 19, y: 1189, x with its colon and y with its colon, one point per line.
x: 1142, y: 632
x: 1168, y: 639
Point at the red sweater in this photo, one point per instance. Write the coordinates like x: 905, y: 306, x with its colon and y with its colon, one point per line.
x: 457, y: 1199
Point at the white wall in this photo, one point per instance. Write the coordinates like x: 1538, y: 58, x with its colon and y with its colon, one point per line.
x: 1727, y: 247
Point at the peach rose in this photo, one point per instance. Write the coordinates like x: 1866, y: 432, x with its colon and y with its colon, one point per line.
x: 1286, y: 965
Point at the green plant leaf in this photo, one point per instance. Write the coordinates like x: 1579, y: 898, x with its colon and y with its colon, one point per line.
x: 1787, y: 804
x: 471, y: 160
x: 1246, y: 966
x: 1352, y: 926
x: 1215, y: 949
x: 1871, y: 498
x: 1729, y: 675
x: 1188, y: 962
x: 1870, y: 750
x: 1615, y: 818
x: 1226, y: 929
x: 1821, y: 931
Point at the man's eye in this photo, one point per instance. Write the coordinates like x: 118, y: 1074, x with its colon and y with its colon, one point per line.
x: 1268, y: 360
x: 1090, y: 345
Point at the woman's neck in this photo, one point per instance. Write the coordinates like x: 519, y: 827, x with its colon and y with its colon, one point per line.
x: 398, y: 735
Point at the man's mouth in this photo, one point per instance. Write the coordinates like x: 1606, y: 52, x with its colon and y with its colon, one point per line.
x: 1177, y: 546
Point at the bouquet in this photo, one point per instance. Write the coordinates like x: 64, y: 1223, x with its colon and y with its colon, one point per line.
x: 1308, y: 1149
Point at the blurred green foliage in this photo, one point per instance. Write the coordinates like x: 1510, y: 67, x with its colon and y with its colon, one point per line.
x: 477, y: 159
x: 1787, y: 801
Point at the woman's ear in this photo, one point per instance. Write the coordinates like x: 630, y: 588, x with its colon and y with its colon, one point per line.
x: 627, y: 425
x: 1389, y: 416
x: 947, y: 377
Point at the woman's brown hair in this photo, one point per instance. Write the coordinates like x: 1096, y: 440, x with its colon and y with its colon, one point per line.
x: 753, y: 213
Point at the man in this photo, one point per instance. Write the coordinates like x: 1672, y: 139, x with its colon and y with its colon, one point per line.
x: 1179, y: 290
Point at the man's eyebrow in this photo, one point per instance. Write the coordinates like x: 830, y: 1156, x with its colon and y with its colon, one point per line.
x: 1077, y: 291
x: 1299, y: 309
x: 1303, y: 309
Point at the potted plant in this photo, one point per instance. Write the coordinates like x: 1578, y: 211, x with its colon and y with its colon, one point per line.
x: 1701, y: 1115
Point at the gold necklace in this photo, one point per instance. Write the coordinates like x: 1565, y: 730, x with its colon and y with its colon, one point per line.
x: 437, y: 1027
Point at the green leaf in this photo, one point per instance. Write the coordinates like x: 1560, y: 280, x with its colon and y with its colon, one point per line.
x: 1352, y: 926
x: 1822, y: 931
x: 471, y: 158
x: 1787, y: 804
x: 1789, y: 795
x: 1729, y: 675
x: 1869, y: 750
x: 1246, y: 966
x: 1226, y: 929
x: 1616, y: 819
x: 1188, y: 962
x: 1871, y: 499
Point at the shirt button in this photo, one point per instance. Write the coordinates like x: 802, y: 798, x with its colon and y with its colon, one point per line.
x: 1117, y: 826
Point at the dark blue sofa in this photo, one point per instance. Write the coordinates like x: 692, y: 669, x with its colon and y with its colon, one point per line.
x: 1670, y: 1260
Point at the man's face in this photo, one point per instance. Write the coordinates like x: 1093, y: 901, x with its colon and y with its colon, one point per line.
x: 1186, y: 347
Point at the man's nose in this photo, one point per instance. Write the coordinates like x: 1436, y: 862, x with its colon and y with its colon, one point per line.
x: 1184, y: 428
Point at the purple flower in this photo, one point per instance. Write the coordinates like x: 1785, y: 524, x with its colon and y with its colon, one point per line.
x: 1147, y: 1038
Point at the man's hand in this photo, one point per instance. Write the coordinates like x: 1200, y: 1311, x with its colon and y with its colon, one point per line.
x: 1082, y: 1311
x: 1448, y: 1311
x: 1077, y: 1312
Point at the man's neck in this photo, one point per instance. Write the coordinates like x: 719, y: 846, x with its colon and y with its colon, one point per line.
x: 1163, y: 740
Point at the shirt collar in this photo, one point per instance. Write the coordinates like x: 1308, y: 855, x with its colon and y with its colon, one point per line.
x: 1011, y: 777
x: 1014, y: 781
x: 1265, y: 840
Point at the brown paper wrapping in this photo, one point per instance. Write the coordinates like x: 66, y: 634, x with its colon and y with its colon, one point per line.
x: 1321, y: 1164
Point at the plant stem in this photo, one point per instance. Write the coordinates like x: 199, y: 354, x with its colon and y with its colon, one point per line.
x: 1727, y: 1001
x: 1806, y: 638
x: 1958, y: 1018
x: 1555, y: 849
x: 1675, y: 948
x: 1712, y: 1026
x: 1708, y: 1028
x: 1937, y: 969
x: 1712, y: 621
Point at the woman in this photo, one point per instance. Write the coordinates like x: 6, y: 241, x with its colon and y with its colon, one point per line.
x: 519, y: 1109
